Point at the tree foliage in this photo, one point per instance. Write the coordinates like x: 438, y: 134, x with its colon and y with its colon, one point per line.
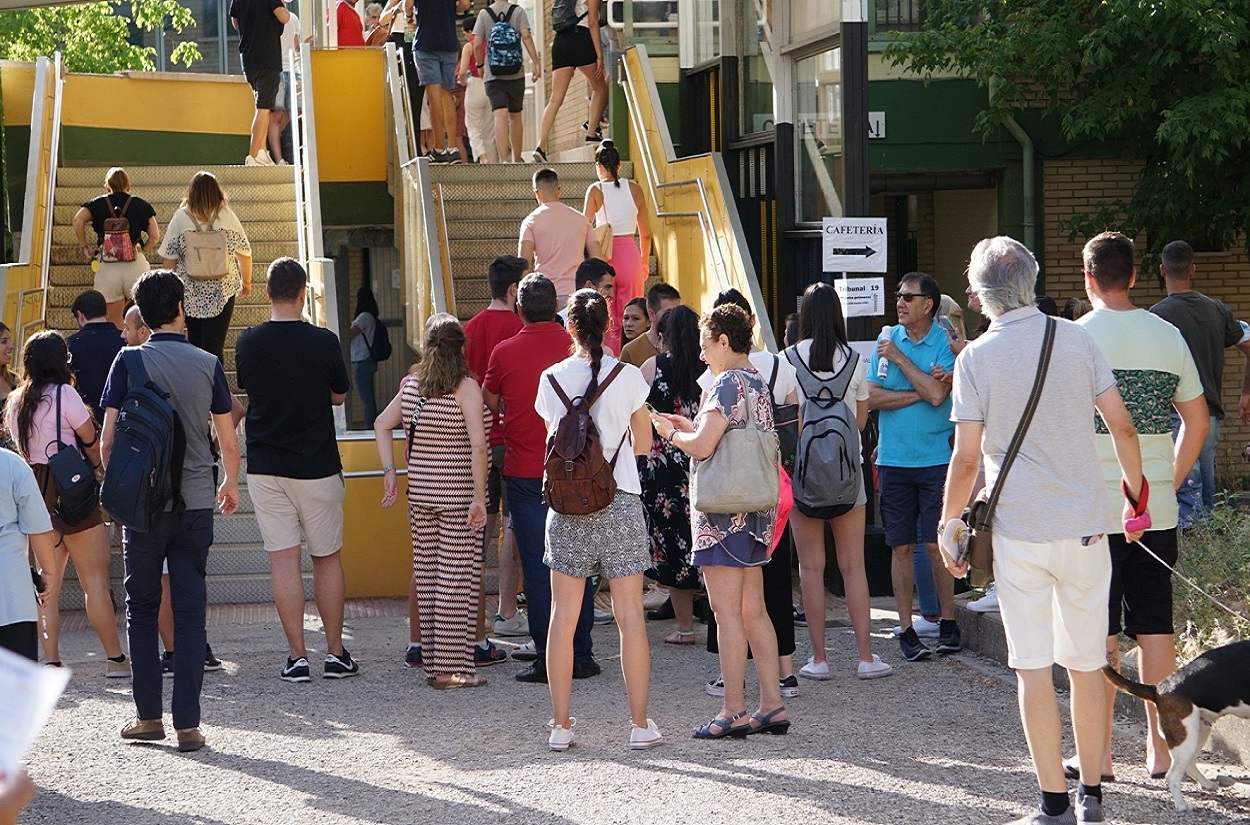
x: 1168, y: 81
x: 95, y: 37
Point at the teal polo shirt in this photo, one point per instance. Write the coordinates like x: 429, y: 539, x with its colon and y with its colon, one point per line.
x: 919, y: 434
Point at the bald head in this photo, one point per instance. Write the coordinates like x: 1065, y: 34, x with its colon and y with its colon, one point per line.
x: 134, y: 331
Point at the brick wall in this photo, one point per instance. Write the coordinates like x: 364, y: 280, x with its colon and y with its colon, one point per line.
x: 1073, y: 186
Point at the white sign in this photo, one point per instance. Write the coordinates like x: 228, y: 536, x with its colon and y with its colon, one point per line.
x: 854, y: 245
x: 876, y: 125
x: 861, y: 297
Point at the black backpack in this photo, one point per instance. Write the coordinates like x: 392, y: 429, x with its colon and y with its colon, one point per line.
x: 145, y: 468
x: 564, y: 16
x: 380, y: 346
x: 828, y: 467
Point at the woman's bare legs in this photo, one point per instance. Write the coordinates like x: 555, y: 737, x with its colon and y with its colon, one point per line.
x: 566, y: 606
x: 809, y: 542
x: 848, y: 536
x: 635, y: 651
x: 560, y: 80
x: 683, y: 608
x: 762, y: 638
x: 598, y: 95
x: 725, y: 592
x: 90, y: 552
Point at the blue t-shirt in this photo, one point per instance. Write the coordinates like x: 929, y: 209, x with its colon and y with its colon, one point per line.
x: 919, y: 434
x: 22, y: 513
x: 436, y: 26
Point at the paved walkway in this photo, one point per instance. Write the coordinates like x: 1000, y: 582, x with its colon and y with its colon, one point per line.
x: 939, y: 742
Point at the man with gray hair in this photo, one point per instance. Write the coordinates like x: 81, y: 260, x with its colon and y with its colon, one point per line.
x: 1051, y: 562
x: 1209, y: 328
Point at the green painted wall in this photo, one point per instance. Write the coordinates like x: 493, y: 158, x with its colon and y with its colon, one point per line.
x: 929, y: 128
x: 16, y: 152
x: 363, y: 203
x: 87, y: 146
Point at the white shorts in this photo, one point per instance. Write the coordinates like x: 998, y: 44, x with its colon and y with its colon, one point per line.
x: 283, y: 505
x: 115, y: 280
x: 1053, y: 600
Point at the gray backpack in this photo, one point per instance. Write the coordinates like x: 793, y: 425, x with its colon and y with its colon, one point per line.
x: 828, y: 467
x: 564, y: 16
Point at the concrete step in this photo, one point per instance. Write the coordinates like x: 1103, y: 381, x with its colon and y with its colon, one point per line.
x: 245, y: 315
x: 262, y: 251
x: 166, y: 199
x: 494, y: 174
x: 79, y: 275
x: 93, y: 176
x: 255, y: 588
x: 262, y: 231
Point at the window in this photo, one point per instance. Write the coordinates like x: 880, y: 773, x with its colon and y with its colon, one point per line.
x: 700, y: 31
x: 818, y: 133
x: 758, y: 111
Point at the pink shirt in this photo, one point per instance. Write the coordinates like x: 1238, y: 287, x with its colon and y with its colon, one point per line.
x: 558, y: 233
x: 42, y: 444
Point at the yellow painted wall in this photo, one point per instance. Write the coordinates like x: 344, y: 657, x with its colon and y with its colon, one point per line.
x: 158, y: 102
x: 377, y: 543
x: 349, y: 108
x: 18, y: 83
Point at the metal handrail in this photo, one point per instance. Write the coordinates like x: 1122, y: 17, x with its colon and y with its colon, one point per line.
x: 53, y: 151
x: 310, y: 178
x: 297, y: 147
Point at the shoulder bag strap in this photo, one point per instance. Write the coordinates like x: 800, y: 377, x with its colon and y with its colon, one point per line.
x: 772, y: 379
x: 59, y: 443
x: 1043, y: 364
x: 620, y: 365
x: 412, y: 425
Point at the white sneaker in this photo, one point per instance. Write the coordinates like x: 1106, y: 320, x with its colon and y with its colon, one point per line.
x: 987, y: 603
x: 642, y: 738
x: 654, y: 598
x: 815, y: 670
x: 561, y: 738
x: 603, y: 617
x: 515, y: 625
x: 923, y: 627
x: 261, y: 158
x: 874, y: 669
x: 716, y: 687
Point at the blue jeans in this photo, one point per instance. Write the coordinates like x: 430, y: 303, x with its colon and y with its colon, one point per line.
x: 1197, y: 494
x: 926, y: 589
x: 529, y: 520
x: 184, y: 541
x: 364, y: 372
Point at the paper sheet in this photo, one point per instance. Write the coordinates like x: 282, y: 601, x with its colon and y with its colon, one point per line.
x: 30, y: 692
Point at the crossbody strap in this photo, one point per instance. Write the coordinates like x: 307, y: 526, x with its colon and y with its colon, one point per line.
x: 412, y: 423
x: 1017, y: 440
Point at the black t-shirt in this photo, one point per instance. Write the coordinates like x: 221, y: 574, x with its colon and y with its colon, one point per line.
x: 260, y: 34
x: 140, y: 213
x: 289, y: 369
x: 94, y: 348
x: 436, y: 26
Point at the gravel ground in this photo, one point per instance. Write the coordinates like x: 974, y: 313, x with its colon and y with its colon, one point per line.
x: 938, y: 742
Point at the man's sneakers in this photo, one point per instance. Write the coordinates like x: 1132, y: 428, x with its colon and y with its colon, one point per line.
x: 114, y: 669
x: 488, y: 655
x: 949, y: 638
x: 603, y: 617
x: 536, y: 673
x: 716, y: 687
x: 987, y: 603
x: 913, y: 649
x: 800, y: 618
x: 874, y: 669
x: 515, y: 625
x: 1038, y: 817
x: 586, y: 669
x: 167, y: 664
x: 654, y: 598
x: 447, y: 155
x: 296, y: 670
x: 211, y: 662
x: 1088, y: 808
x: 261, y: 158
x: 412, y: 656
x: 340, y: 667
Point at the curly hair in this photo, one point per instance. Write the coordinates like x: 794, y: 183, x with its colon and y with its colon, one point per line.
x: 45, y: 362
x: 442, y: 365
x: 731, y: 321
x: 588, y: 321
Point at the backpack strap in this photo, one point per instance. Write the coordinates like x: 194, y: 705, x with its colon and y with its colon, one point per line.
x: 125, y: 206
x: 507, y: 16
x: 815, y: 387
x: 494, y: 17
x: 137, y: 376
x: 620, y: 365
x: 772, y: 379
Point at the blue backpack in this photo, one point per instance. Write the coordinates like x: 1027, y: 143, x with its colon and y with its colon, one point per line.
x: 503, y: 44
x: 145, y: 468
x: 380, y: 346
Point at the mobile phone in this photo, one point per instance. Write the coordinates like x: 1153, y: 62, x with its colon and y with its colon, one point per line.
x: 652, y: 410
x: 945, y: 323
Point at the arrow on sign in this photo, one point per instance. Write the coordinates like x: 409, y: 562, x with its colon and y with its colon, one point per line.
x: 863, y: 251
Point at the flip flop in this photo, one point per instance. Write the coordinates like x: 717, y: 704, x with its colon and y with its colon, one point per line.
x: 726, y: 728
x: 1071, y: 770
x: 767, y: 725
x: 680, y: 637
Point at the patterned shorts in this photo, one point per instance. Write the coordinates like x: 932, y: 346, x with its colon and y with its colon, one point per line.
x: 612, y: 542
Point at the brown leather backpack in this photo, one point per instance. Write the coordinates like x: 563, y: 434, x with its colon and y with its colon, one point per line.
x: 577, y: 480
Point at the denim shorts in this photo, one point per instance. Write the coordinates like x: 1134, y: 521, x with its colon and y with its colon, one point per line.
x: 908, y: 494
x: 436, y: 68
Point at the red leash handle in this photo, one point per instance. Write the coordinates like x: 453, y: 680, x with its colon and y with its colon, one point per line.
x: 1140, y: 519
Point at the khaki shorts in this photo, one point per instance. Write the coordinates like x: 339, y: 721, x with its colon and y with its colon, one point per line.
x: 283, y: 505
x: 116, y: 280
x: 1052, y: 597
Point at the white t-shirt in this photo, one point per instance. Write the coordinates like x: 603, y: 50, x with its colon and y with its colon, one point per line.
x: 290, y: 40
x: 857, y: 390
x: 360, y: 344
x: 763, y: 360
x: 611, y: 413
x: 618, y: 207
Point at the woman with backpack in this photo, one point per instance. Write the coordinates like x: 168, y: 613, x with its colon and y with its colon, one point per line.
x: 440, y: 407
x: 732, y: 548
x: 610, y: 541
x: 619, y: 205
x: 577, y: 47
x: 124, y: 226
x: 363, y: 332
x: 45, y: 414
x: 834, y: 409
x: 206, y: 246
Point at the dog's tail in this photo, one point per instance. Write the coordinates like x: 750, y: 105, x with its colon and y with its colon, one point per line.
x: 1139, y: 690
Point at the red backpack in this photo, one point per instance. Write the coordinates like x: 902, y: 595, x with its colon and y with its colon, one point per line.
x: 117, y: 246
x: 577, y: 480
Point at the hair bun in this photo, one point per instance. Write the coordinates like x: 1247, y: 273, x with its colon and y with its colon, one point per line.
x: 607, y: 143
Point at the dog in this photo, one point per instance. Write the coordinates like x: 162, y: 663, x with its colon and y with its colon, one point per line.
x: 1189, y: 702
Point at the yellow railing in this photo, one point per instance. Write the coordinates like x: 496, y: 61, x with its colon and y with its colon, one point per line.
x: 695, y: 228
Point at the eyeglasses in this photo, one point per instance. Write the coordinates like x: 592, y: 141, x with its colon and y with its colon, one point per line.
x: 907, y: 297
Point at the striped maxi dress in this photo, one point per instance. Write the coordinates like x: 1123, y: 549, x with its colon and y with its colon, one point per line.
x: 446, y: 554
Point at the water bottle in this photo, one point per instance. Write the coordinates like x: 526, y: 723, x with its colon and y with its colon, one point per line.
x: 883, y: 366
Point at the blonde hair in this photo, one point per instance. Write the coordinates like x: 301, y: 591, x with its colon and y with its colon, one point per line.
x: 204, y: 198
x: 117, y: 180
x: 949, y: 307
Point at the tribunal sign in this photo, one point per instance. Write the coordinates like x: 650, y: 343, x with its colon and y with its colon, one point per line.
x: 861, y: 297
x: 854, y: 245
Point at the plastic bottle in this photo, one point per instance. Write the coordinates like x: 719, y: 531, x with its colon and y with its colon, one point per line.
x: 883, y: 366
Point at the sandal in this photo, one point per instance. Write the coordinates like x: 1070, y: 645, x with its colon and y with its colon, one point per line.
x: 726, y: 728
x: 767, y: 725
x: 460, y: 680
x: 680, y: 637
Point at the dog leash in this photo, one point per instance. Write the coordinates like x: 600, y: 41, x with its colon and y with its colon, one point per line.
x: 1192, y: 584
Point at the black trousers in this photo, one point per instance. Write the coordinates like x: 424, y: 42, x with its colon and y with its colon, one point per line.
x: 209, y: 334
x: 22, y: 638
x: 778, y: 593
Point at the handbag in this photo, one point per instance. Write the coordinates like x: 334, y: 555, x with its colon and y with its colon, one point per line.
x: 206, y: 254
x: 785, y: 422
x: 603, y: 233
x: 743, y: 474
x: 981, y: 514
x: 77, y: 491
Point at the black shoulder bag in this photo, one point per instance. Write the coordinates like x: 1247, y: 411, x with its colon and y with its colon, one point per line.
x: 78, y: 492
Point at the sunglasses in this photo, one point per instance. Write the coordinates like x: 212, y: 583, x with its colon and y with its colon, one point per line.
x: 907, y: 297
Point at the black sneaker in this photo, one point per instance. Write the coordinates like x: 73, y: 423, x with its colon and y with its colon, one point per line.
x: 412, y: 657
x: 913, y: 649
x: 211, y: 662
x: 167, y: 664
x: 586, y: 669
x: 296, y: 670
x: 661, y: 613
x: 949, y: 638
x: 790, y: 687
x: 340, y: 667
x: 800, y: 618
x: 535, y: 673
x: 489, y: 655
